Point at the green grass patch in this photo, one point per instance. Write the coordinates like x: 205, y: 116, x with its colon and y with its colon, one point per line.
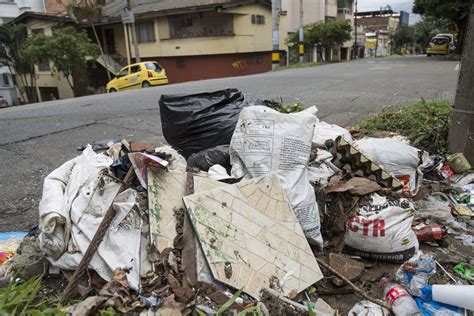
x: 23, y: 298
x: 425, y: 123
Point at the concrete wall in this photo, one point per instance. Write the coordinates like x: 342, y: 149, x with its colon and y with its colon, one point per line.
x: 331, y: 8
x: 10, y: 10
x: 189, y: 68
x: 30, y: 5
x: 312, y: 12
x: 7, y: 89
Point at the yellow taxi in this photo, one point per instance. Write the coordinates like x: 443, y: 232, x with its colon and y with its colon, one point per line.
x: 140, y: 75
x: 438, y: 46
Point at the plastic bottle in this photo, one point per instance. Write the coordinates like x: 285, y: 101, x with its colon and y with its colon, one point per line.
x: 398, y: 298
x: 430, y: 233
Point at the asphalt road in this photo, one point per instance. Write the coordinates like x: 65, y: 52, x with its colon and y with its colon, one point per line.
x: 37, y: 138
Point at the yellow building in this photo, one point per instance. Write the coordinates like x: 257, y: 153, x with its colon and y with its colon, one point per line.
x: 192, y: 39
x: 49, y: 84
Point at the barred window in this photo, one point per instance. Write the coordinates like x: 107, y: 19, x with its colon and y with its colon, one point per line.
x: 145, y: 32
x: 258, y: 19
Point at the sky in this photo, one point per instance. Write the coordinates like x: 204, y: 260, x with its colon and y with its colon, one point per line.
x: 397, y: 5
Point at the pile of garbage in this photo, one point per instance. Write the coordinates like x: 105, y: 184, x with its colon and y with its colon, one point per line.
x: 250, y: 210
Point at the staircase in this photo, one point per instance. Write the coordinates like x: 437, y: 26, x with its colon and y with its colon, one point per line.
x: 113, y: 63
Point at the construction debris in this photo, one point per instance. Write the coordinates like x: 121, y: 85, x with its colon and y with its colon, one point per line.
x: 250, y: 235
x: 238, y: 228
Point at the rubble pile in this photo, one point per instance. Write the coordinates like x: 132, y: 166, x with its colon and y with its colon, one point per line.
x: 252, y: 211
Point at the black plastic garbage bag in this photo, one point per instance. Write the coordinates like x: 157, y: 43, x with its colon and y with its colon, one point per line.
x: 194, y: 122
x: 207, y: 158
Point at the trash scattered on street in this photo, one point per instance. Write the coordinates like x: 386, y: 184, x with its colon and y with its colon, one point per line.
x: 367, y: 308
x: 266, y: 141
x: 398, y: 298
x: 465, y: 270
x: 251, y: 237
x: 382, y: 230
x: 254, y: 208
x: 9, y: 242
x: 415, y: 273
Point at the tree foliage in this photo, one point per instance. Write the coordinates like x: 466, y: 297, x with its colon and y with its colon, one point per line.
x: 419, y: 35
x: 427, y: 28
x: 328, y: 35
x: 402, y: 37
x: 67, y: 49
x: 455, y: 11
x: 86, y: 11
x: 12, y: 42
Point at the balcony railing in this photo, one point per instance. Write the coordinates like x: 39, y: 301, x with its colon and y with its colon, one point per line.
x: 344, y: 10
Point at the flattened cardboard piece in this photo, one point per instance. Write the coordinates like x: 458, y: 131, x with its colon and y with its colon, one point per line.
x: 250, y: 236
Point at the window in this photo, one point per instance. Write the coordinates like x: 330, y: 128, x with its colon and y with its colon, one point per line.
x: 44, y: 65
x: 201, y: 25
x: 135, y: 69
x: 258, y: 19
x: 37, y: 31
x: 145, y: 32
x: 179, y: 62
x: 344, y: 10
x: 6, y: 82
x: 123, y: 72
x: 153, y: 66
x: 186, y: 22
x: 329, y: 18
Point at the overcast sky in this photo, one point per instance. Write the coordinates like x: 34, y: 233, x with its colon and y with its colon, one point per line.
x: 397, y: 6
x: 365, y: 5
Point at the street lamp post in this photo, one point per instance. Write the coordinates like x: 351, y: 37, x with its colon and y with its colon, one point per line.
x: 275, y: 35
x: 356, y: 46
x: 301, y: 35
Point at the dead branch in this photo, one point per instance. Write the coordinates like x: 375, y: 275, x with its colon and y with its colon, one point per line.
x: 357, y: 290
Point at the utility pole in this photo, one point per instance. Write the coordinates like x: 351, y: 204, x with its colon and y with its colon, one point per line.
x: 301, y: 38
x: 134, y: 34
x: 356, y: 48
x: 461, y: 130
x: 275, y: 34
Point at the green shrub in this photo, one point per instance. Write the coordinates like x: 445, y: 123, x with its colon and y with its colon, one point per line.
x: 425, y: 123
x: 22, y: 298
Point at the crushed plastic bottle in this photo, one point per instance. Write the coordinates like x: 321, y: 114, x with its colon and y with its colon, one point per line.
x: 398, y: 298
x: 415, y: 273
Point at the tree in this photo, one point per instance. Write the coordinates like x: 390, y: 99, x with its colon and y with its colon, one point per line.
x: 402, y: 37
x: 328, y: 35
x: 67, y: 49
x: 86, y: 10
x: 427, y: 28
x: 12, y: 43
x: 461, y: 130
x: 456, y: 11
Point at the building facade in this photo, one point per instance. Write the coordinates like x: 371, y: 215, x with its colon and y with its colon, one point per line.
x: 321, y: 11
x: 377, y: 26
x: 201, y: 39
x: 10, y: 9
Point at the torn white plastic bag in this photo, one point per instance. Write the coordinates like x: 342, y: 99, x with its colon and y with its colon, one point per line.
x: 75, y: 199
x: 397, y: 157
x: 324, y: 131
x: 265, y: 142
